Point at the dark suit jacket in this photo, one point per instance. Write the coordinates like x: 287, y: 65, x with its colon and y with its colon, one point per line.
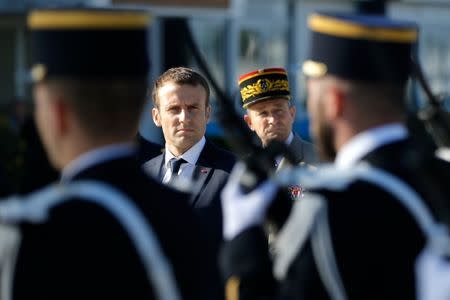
x: 210, y: 175
x: 375, y: 240
x: 81, y: 252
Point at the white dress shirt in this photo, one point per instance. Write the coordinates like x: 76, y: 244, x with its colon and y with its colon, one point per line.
x: 186, y: 169
x: 95, y: 157
x: 367, y: 141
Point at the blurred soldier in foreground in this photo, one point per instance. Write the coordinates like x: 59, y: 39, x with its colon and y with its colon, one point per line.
x: 270, y: 113
x: 36, y: 171
x: 147, y: 149
x: 118, y: 234
x: 356, y: 235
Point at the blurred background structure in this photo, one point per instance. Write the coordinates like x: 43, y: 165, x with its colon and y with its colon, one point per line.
x: 235, y: 37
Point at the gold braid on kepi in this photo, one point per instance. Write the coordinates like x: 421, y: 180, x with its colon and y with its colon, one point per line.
x: 360, y: 47
x: 264, y: 84
x: 89, y: 43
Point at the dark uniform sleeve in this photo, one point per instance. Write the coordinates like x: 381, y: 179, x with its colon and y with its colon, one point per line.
x: 81, y: 252
x: 247, y: 267
x: 302, y: 279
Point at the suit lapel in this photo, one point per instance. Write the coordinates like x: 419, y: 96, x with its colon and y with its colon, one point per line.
x: 296, y: 147
x: 201, y: 177
x: 202, y: 173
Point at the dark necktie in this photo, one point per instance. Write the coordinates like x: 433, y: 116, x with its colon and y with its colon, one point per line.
x: 175, y: 164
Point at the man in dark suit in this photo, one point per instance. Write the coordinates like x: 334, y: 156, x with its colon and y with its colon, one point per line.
x: 209, y: 176
x: 89, y: 73
x: 270, y: 114
x: 181, y: 109
x: 358, y: 231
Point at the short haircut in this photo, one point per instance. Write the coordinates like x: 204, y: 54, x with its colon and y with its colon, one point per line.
x: 180, y: 76
x: 379, y: 97
x: 109, y: 107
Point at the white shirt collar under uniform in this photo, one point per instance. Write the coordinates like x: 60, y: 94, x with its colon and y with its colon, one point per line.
x: 290, y: 138
x: 191, y: 156
x: 367, y: 141
x: 95, y: 157
x: 287, y: 142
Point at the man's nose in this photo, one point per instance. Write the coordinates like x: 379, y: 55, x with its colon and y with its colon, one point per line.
x: 272, y: 118
x: 184, y: 115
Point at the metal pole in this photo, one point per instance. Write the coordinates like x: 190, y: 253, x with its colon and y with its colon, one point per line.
x: 292, y: 55
x: 231, y: 55
x: 20, y: 64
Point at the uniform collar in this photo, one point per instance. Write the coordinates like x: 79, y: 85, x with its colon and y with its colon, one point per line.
x: 95, y: 157
x: 367, y: 141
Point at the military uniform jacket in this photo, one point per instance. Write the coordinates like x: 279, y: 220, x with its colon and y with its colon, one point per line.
x: 81, y: 252
x: 374, y: 238
x: 303, y: 152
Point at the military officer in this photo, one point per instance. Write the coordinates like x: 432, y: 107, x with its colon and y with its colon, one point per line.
x: 271, y: 114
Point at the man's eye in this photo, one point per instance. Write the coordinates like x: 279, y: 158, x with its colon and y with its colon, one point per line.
x: 279, y: 111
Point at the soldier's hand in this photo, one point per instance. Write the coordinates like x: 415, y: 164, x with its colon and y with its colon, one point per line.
x: 240, y: 210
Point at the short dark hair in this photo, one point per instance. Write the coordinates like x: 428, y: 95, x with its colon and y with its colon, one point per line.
x: 110, y: 107
x: 180, y: 76
x: 387, y: 97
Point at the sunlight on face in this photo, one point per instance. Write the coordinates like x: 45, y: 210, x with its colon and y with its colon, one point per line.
x: 45, y: 121
x: 182, y: 114
x: 271, y: 119
x: 320, y: 130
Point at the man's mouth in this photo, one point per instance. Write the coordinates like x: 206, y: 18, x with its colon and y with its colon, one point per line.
x: 185, y: 130
x: 273, y: 131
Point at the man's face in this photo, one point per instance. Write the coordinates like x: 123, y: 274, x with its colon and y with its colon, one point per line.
x: 320, y: 129
x: 271, y: 119
x: 182, y: 113
x: 45, y: 118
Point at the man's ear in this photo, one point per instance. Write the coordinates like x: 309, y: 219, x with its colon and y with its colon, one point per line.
x: 61, y: 115
x: 248, y: 120
x: 292, y: 111
x: 208, y: 113
x: 156, y: 117
x: 334, y: 106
